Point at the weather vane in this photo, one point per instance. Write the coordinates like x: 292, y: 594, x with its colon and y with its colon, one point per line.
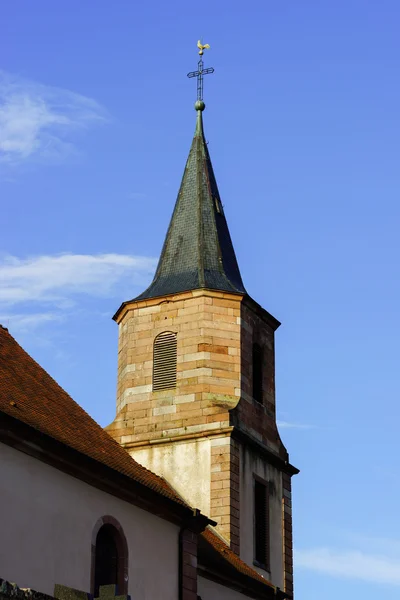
x: 201, y: 72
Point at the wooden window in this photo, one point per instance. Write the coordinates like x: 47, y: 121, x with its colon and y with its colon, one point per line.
x: 258, y: 360
x: 109, y: 556
x: 261, y: 525
x: 164, y: 361
x: 108, y: 559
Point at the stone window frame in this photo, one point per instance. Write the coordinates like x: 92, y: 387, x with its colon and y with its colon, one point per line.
x: 123, y: 554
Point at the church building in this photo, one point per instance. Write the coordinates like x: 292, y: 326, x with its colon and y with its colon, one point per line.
x: 187, y: 493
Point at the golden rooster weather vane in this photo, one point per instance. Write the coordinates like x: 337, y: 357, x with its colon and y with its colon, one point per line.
x: 202, y: 47
x: 199, y: 74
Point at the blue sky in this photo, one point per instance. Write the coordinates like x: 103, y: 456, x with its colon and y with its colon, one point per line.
x: 96, y: 120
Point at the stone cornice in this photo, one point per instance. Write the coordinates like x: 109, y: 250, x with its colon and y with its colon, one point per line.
x: 275, y: 460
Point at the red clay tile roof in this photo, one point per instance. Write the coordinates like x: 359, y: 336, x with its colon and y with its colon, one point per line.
x: 29, y: 394
x: 231, y: 558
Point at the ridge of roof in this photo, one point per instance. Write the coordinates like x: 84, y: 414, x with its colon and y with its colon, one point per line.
x: 29, y: 394
x: 198, y: 251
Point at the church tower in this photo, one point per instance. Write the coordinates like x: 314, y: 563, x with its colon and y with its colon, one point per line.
x: 196, y: 380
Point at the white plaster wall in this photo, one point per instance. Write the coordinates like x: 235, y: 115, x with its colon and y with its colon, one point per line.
x: 46, y: 524
x: 186, y: 465
x: 210, y: 590
x: 252, y: 464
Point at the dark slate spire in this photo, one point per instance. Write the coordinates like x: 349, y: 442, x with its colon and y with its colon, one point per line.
x: 198, y: 251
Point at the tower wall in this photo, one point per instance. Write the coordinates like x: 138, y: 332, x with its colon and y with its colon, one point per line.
x: 253, y: 465
x: 184, y: 434
x: 258, y: 419
x: 258, y: 422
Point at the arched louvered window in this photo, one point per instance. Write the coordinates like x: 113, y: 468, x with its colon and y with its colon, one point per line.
x: 164, y: 361
x: 258, y: 360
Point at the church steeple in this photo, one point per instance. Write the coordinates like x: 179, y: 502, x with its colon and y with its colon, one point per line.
x: 196, y: 378
x: 198, y: 251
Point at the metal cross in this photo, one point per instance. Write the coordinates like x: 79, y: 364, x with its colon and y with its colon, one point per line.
x: 200, y: 71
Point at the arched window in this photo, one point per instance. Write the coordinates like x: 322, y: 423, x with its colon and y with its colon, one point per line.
x: 110, y: 556
x: 164, y: 361
x: 258, y: 360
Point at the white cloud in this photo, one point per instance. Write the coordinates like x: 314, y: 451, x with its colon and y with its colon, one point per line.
x: 36, y: 121
x: 58, y: 279
x: 351, y: 564
x: 381, y: 545
x: 290, y: 425
x: 28, y: 322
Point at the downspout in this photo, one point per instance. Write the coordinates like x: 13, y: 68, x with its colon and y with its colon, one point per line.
x: 195, y: 525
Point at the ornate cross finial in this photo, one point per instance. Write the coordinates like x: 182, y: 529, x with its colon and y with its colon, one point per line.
x: 199, y: 74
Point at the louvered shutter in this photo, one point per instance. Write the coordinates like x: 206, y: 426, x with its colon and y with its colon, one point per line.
x: 164, y: 361
x: 261, y: 524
